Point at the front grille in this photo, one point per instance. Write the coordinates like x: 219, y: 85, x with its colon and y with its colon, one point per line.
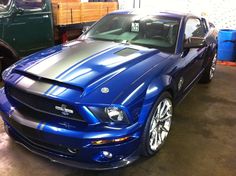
x: 31, y: 136
x: 41, y: 104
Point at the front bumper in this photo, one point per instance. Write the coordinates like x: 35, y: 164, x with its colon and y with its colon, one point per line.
x: 67, y: 161
x: 57, y: 143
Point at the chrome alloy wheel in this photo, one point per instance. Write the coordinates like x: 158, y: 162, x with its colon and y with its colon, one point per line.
x: 160, y: 124
x: 213, y: 67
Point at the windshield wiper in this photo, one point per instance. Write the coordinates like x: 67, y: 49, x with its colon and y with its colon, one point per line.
x: 112, y: 40
x: 102, y: 39
x: 144, y: 45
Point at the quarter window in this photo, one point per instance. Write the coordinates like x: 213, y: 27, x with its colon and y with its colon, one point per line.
x: 30, y: 4
x: 194, y: 28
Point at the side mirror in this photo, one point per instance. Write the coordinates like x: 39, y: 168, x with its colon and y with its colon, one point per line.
x: 85, y: 28
x: 195, y: 42
x: 18, y: 10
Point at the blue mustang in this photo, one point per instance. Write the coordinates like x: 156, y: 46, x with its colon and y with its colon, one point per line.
x: 101, y: 101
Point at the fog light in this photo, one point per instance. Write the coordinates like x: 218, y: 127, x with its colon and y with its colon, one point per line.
x: 107, y: 154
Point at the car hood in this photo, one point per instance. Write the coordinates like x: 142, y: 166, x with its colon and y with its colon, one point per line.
x: 81, y: 63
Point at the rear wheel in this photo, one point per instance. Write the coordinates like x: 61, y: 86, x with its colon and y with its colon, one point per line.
x: 209, y: 72
x: 158, y: 125
x: 6, y: 60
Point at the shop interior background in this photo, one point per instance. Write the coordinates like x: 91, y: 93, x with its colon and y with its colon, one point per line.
x: 221, y: 12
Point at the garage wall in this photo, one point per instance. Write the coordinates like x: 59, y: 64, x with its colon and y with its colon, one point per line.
x: 221, y: 12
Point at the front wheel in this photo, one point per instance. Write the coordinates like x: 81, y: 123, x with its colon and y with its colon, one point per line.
x: 158, y: 125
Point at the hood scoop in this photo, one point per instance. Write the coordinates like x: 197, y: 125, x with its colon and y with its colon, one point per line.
x: 126, y: 52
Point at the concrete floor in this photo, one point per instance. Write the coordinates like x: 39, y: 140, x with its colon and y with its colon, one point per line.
x: 202, y: 141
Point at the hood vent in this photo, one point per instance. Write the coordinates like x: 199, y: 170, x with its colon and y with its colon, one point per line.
x: 126, y: 52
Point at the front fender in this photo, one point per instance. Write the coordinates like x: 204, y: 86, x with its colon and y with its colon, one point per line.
x: 140, y: 98
x: 154, y: 90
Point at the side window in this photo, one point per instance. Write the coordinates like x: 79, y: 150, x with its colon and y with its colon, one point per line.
x: 30, y: 4
x: 194, y: 28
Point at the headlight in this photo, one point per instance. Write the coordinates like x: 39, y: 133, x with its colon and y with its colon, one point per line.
x: 110, y: 114
x: 114, y: 114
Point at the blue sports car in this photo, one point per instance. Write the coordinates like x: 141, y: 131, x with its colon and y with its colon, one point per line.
x: 103, y: 100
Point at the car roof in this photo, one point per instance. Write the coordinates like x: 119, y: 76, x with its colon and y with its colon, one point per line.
x: 172, y: 14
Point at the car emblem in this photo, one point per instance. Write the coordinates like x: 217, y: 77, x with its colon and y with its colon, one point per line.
x: 64, y: 110
x: 105, y: 90
x: 180, y: 84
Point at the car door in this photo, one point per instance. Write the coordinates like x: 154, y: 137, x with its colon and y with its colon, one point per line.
x: 30, y: 26
x: 192, y: 60
x: 4, y: 6
x: 1, y: 18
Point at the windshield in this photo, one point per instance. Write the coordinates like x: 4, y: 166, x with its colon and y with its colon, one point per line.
x: 149, y: 31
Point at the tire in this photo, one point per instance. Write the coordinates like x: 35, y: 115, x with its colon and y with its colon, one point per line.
x: 208, y: 74
x: 6, y: 60
x: 152, y: 139
x: 1, y: 65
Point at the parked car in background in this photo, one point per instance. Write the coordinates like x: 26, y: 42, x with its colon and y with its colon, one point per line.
x: 27, y: 26
x: 101, y: 101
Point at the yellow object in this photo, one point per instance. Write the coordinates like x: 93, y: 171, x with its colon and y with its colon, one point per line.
x: 56, y: 1
x: 74, y: 11
x: 102, y: 142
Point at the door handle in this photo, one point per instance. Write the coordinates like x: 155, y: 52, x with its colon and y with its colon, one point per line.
x: 38, y: 17
x: 45, y: 16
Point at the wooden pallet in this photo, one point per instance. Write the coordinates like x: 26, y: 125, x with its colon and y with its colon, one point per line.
x: 65, y: 1
x: 65, y: 13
